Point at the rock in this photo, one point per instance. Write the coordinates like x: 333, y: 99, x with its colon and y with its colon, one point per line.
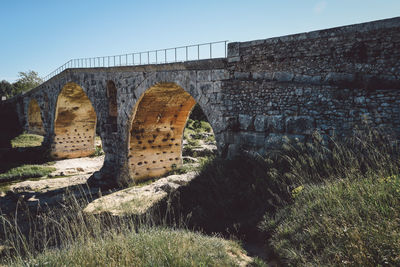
x: 138, y: 200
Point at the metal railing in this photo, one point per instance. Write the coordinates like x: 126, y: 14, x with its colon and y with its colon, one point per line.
x: 160, y: 56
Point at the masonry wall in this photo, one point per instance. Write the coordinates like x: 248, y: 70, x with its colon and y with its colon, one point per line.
x: 329, y: 81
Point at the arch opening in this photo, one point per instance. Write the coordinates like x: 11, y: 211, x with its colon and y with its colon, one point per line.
x: 75, y: 124
x: 156, y: 133
x: 35, y: 122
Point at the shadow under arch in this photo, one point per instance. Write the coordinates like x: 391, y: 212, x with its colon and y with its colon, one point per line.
x: 35, y: 122
x: 74, y: 125
x: 156, y: 130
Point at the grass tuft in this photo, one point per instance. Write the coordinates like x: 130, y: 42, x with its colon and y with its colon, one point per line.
x: 25, y: 171
x: 27, y: 140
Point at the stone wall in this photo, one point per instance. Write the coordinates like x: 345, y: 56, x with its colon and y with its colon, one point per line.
x: 329, y: 81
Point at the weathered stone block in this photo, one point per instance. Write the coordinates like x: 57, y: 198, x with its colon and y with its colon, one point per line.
x: 259, y: 123
x: 204, y: 75
x: 299, y: 125
x: 339, y: 78
x: 245, y: 121
x: 250, y: 140
x: 219, y: 75
x: 233, y: 49
x: 282, y: 76
x: 241, y: 75
x: 273, y: 123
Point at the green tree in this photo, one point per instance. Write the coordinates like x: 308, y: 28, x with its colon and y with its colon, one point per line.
x: 26, y: 81
x: 6, y: 89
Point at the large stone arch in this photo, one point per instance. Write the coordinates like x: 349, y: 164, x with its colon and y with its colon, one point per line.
x: 35, y: 122
x: 74, y: 123
x: 155, y: 140
x: 158, y: 117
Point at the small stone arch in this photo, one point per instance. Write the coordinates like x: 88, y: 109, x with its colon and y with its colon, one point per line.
x: 74, y: 124
x: 35, y: 122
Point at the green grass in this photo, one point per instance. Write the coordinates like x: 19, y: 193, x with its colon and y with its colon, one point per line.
x: 70, y: 237
x: 194, y: 128
x: 147, y: 247
x: 25, y: 171
x: 341, y: 203
x: 27, y: 140
x: 346, y: 222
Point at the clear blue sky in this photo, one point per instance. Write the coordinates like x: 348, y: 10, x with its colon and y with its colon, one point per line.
x: 41, y: 35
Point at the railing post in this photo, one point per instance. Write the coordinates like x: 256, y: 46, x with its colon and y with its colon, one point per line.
x: 210, y: 50
x: 186, y: 53
x: 175, y: 54
x: 198, y: 52
x: 148, y: 57
x: 165, y: 52
x: 156, y: 56
x: 225, y: 47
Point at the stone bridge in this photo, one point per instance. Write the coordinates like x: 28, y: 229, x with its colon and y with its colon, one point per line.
x: 327, y: 81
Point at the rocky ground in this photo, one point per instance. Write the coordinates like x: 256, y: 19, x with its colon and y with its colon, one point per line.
x: 71, y: 175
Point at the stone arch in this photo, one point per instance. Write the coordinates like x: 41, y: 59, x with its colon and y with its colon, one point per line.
x: 156, y: 130
x: 74, y: 124
x: 112, y: 105
x: 35, y: 122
